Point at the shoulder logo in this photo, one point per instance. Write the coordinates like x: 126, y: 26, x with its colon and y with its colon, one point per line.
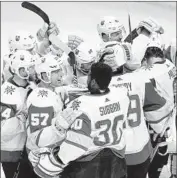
x: 76, y: 105
x: 9, y: 90
x: 106, y: 100
x: 119, y: 79
x: 167, y: 65
x: 43, y: 93
x: 148, y: 67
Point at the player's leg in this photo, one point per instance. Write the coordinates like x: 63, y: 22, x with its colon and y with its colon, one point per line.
x: 112, y: 165
x: 26, y: 169
x: 105, y: 164
x: 9, y: 168
x: 81, y: 169
x: 138, y: 171
x: 158, y: 163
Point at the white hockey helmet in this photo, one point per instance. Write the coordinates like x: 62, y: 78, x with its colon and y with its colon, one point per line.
x: 22, y: 41
x: 21, y: 59
x: 48, y: 64
x: 156, y: 41
x: 85, y: 57
x: 109, y: 25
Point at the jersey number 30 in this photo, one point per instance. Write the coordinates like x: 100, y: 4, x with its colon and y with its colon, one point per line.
x: 110, y: 134
x: 134, y: 120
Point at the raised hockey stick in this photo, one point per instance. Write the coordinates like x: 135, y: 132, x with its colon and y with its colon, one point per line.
x: 130, y: 31
x: 52, y: 38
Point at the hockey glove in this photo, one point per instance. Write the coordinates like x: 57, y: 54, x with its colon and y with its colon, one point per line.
x: 46, y: 30
x: 74, y: 41
x: 150, y: 25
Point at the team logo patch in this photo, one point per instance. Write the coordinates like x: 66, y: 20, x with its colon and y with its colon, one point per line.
x: 22, y: 57
x: 148, y: 67
x: 9, y: 90
x: 76, y: 105
x: 17, y: 38
x: 90, y: 51
x: 42, y: 93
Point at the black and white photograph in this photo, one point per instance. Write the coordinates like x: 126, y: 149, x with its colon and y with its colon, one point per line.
x: 88, y: 89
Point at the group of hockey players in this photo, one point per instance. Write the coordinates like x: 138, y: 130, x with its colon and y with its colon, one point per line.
x: 100, y: 113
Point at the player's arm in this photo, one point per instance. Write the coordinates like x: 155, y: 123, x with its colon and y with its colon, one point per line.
x: 12, y: 121
x: 78, y: 139
x: 145, y: 27
x: 156, y: 108
x: 11, y: 124
x: 45, y: 136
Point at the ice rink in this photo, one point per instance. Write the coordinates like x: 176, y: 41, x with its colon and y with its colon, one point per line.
x: 82, y: 17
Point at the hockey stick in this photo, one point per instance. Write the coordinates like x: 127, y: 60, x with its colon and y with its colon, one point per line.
x: 130, y: 31
x: 52, y: 38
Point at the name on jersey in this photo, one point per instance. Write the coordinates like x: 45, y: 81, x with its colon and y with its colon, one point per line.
x: 172, y: 73
x: 108, y: 109
x: 127, y: 85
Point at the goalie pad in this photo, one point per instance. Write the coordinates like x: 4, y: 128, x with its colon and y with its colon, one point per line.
x: 48, y: 165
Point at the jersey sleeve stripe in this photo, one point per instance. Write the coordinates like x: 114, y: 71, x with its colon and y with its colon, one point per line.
x: 81, y: 133
x: 78, y: 140
x: 76, y: 145
x: 157, y: 116
x: 38, y: 137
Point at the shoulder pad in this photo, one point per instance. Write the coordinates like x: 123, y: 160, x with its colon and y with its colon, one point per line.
x: 41, y: 97
x: 10, y: 93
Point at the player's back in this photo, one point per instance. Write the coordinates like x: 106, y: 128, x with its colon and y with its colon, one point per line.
x: 136, y: 133
x: 163, y: 75
x: 99, y: 126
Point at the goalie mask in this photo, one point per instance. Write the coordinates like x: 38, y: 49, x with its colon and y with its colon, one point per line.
x: 22, y: 41
x: 51, y: 67
x: 110, y: 29
x: 21, y: 62
x: 85, y: 57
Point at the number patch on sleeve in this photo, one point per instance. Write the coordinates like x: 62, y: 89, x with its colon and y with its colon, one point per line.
x: 40, y: 117
x: 7, y: 111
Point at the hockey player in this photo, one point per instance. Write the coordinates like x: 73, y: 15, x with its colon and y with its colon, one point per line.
x: 142, y: 96
x: 84, y: 53
x: 85, y: 57
x: 171, y: 53
x: 96, y: 137
x: 163, y: 73
x: 112, y: 33
x: 44, y: 104
x: 18, y: 41
x: 13, y: 117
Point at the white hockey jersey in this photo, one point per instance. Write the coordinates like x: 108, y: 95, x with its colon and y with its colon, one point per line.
x: 143, y: 98
x: 13, y: 132
x: 162, y: 76
x: 99, y: 125
x: 69, y: 76
x: 43, y: 105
